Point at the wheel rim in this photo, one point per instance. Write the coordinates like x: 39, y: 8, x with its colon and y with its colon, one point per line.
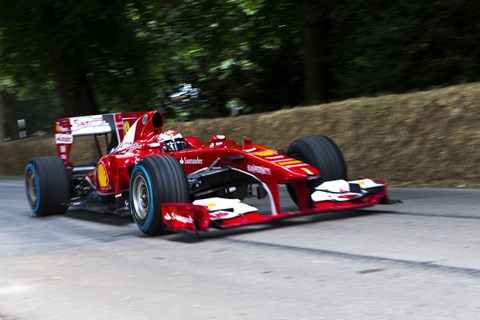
x: 31, y: 186
x: 141, y: 197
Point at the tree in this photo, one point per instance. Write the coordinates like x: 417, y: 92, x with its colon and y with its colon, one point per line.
x: 84, y: 50
x: 111, y: 55
x: 2, y: 118
x: 242, y: 50
x: 378, y: 47
x: 313, y: 25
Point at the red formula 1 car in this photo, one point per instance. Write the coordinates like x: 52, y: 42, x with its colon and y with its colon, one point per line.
x: 167, y: 181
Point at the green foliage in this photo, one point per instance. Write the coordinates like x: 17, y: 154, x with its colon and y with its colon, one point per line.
x: 132, y: 54
x: 42, y: 41
x: 226, y: 48
x: 402, y: 46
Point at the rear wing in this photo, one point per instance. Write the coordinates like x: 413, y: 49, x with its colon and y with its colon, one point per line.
x: 117, y: 124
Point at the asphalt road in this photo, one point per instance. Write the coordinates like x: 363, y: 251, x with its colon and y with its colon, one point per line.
x: 415, y: 260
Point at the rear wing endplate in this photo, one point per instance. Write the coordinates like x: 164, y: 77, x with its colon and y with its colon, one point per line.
x: 66, y: 129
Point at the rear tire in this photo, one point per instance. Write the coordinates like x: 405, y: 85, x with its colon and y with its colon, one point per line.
x: 323, y: 154
x: 47, y: 185
x: 156, y: 180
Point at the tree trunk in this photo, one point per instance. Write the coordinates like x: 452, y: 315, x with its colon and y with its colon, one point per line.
x: 313, y: 31
x: 2, y: 118
x: 314, y: 86
x: 69, y: 67
x: 75, y: 93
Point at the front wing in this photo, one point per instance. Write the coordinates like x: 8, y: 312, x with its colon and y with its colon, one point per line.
x: 224, y: 213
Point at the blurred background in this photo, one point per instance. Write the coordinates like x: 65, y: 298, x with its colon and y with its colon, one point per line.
x: 67, y: 58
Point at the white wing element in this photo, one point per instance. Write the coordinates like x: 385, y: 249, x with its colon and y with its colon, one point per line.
x: 222, y: 208
x: 341, y: 190
x: 88, y: 125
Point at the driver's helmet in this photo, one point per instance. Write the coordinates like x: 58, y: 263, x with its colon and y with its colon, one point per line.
x: 172, y: 140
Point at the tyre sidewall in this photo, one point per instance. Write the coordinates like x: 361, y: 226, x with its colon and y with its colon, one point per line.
x: 144, y: 224
x: 35, y: 204
x: 166, y: 182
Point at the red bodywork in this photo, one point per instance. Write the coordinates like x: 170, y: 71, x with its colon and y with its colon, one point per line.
x: 138, y: 133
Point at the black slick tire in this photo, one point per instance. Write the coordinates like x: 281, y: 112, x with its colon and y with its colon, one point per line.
x: 323, y: 154
x: 156, y: 180
x: 47, y: 185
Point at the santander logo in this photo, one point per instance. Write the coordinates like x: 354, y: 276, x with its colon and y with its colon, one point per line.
x: 173, y: 216
x: 186, y: 160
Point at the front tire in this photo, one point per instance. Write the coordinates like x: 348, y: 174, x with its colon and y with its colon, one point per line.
x: 47, y: 185
x: 323, y: 154
x: 156, y: 180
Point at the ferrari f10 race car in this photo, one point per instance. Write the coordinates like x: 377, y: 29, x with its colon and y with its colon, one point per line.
x: 170, y: 182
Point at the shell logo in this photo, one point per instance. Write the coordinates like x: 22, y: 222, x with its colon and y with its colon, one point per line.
x: 265, y: 153
x: 102, y: 176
